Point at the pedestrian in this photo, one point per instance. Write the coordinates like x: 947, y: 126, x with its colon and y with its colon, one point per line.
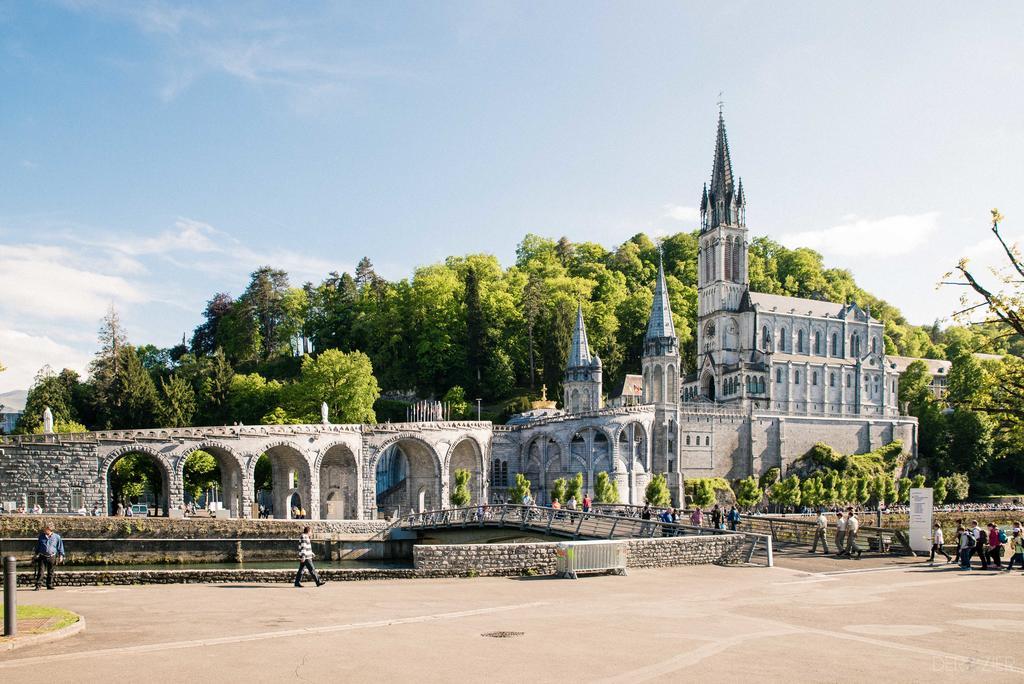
x: 840, y: 534
x: 306, y: 559
x: 697, y: 517
x: 937, y: 542
x: 967, y: 542
x: 820, y: 533
x: 979, y: 543
x: 1017, y: 549
x: 49, y: 553
x: 645, y: 514
x: 716, y: 518
x: 586, y: 503
x: 852, y: 526
x: 734, y: 519
x: 128, y: 512
x: 996, y: 539
x: 571, y: 504
x: 557, y: 506
x: 120, y: 509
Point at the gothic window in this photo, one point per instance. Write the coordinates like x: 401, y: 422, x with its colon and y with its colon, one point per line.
x: 835, y: 344
x: 855, y: 344
x: 687, y: 440
x: 736, y: 260
x: 782, y: 340
x: 707, y: 440
x: 849, y: 380
x: 796, y: 378
x: 800, y: 342
x: 749, y: 390
x: 817, y: 343
x: 778, y: 375
x: 874, y: 345
x: 760, y: 385
x: 831, y: 379
x: 765, y: 338
x: 814, y: 378
x: 728, y: 259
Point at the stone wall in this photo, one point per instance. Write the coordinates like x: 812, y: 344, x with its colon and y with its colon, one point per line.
x: 187, y: 528
x: 517, y: 559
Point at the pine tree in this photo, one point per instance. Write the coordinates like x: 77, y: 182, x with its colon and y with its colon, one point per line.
x: 178, y: 404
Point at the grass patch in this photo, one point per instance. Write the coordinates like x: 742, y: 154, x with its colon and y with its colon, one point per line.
x: 58, y: 618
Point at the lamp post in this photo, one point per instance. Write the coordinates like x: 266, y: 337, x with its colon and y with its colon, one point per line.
x: 478, y: 400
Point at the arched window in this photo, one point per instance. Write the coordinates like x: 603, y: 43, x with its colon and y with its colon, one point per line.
x: 814, y: 378
x: 849, y: 380
x: 736, y: 275
x: 765, y: 338
x: 728, y: 259
x: 778, y: 375
x: 831, y: 379
x: 796, y: 378
x: 707, y: 440
x: 874, y: 345
x: 817, y: 343
x: 855, y: 344
x: 783, y: 345
x: 760, y: 385
x: 687, y: 440
x: 800, y: 342
x: 749, y: 390
x: 835, y: 344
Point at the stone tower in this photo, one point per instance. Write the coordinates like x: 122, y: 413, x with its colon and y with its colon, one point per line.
x: 660, y: 362
x: 582, y: 373
x: 722, y: 277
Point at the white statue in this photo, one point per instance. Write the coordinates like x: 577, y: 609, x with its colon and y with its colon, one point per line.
x: 323, y: 413
x: 47, y: 421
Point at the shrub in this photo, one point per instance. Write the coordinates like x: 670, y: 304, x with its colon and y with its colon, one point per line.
x: 558, y: 490
x: 939, y: 491
x: 519, y: 489
x: 657, y: 493
x: 958, y: 486
x: 573, y: 487
x: 605, y: 489
x: 460, y: 495
x: 748, y: 494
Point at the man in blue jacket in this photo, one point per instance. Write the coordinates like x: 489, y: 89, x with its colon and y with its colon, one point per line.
x: 49, y: 552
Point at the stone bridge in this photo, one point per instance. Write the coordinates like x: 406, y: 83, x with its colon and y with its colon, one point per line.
x: 338, y: 471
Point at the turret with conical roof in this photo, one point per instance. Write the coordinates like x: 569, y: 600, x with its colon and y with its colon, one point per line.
x: 660, y: 362
x: 582, y: 372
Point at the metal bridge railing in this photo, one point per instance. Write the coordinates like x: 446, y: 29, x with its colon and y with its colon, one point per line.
x: 575, y: 524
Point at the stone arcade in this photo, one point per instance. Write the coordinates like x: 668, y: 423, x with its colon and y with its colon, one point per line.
x: 774, y: 375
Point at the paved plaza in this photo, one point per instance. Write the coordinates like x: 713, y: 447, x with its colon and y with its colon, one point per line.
x: 809, y: 619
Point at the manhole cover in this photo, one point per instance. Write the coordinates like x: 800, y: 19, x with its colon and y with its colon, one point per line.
x: 502, y: 635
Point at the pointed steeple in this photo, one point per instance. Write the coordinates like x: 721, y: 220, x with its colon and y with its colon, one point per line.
x: 723, y: 198
x: 579, y: 355
x: 660, y: 324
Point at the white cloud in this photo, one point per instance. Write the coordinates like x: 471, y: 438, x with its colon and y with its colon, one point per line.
x: 41, y: 281
x: 677, y: 212
x: 885, y: 237
x: 24, y: 354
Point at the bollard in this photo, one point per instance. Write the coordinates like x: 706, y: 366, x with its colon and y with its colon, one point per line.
x: 10, y: 596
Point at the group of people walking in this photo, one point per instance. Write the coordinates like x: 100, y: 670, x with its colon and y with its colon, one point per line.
x: 846, y: 534
x: 988, y: 544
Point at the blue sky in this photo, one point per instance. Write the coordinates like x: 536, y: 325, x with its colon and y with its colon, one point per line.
x: 155, y: 153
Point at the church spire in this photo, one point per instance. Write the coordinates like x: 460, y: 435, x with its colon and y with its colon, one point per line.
x: 721, y: 207
x: 579, y: 355
x: 660, y: 325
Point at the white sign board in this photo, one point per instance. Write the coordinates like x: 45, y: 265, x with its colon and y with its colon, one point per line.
x: 921, y: 519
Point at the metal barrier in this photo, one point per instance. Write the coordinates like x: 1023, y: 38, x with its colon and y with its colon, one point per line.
x: 801, y: 532
x: 10, y: 596
x: 596, y: 555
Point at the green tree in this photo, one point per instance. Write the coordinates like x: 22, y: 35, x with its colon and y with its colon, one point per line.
x: 573, y: 487
x: 345, y: 381
x: 703, y: 493
x: 957, y: 486
x: 460, y: 494
x: 903, y: 491
x: 48, y: 389
x: 251, y: 397
x: 833, y: 486
x: 201, y: 473
x: 132, y: 476
x: 455, y: 398
x: 657, y: 493
x: 768, y: 479
x: 605, y: 489
x: 863, y: 492
x: 748, y: 493
x: 939, y: 491
x: 916, y: 483
x: 787, y: 492
x: 62, y: 427
x: 519, y: 490
x: 558, y: 490
x: 812, y: 492
x: 178, y: 404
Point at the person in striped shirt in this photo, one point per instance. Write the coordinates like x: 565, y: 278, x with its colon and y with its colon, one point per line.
x: 306, y: 559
